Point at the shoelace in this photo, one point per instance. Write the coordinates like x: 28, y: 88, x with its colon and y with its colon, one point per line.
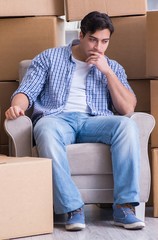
x: 129, y: 206
x: 71, y: 214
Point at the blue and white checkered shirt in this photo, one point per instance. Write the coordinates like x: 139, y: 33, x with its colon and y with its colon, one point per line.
x: 48, y: 80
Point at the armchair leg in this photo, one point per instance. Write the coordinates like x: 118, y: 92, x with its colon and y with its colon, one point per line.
x: 140, y: 211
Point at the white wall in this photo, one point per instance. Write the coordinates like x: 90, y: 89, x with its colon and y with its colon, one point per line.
x: 152, y: 4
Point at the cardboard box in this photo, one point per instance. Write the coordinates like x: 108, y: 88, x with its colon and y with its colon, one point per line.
x: 154, y: 111
x: 155, y: 180
x: 4, y: 150
x: 26, y: 206
x: 152, y: 44
x: 24, y: 38
x: 82, y: 8
x: 141, y: 89
x: 111, y: 7
x: 126, y: 7
x: 128, y: 45
x: 150, y: 200
x: 6, y: 90
x: 10, y: 8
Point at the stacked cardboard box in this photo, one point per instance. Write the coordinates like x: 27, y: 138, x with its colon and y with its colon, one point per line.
x: 152, y: 44
x: 154, y: 144
x: 111, y: 7
x: 31, y: 8
x: 152, y: 71
x: 155, y: 180
x: 154, y: 111
x: 23, y: 38
x: 26, y: 29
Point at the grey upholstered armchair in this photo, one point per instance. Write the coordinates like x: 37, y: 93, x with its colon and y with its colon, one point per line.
x: 90, y: 163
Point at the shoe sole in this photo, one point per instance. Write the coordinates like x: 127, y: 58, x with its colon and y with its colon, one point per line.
x: 75, y: 227
x: 137, y: 225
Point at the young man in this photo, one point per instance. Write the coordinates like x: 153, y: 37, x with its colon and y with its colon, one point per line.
x: 73, y: 90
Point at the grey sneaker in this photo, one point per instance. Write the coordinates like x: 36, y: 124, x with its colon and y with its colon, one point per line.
x: 124, y: 216
x: 76, y: 220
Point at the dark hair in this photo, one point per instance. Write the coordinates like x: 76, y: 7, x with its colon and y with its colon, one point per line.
x: 94, y: 21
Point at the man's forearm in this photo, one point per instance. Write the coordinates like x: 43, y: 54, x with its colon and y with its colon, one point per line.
x: 18, y: 107
x: 21, y: 101
x: 124, y: 101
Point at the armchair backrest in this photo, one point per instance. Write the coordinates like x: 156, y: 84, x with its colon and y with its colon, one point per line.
x: 23, y: 66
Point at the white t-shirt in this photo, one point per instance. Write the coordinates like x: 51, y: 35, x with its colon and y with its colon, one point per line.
x: 77, y: 97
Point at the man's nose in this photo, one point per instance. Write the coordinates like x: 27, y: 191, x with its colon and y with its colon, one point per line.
x: 98, y: 46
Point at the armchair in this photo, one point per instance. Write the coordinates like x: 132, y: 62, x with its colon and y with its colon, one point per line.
x: 94, y: 180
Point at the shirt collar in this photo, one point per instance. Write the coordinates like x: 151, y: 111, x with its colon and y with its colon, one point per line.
x: 73, y: 43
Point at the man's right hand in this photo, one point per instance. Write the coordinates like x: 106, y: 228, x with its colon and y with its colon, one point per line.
x: 14, y: 112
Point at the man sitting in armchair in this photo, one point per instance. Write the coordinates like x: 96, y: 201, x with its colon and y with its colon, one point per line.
x: 73, y: 90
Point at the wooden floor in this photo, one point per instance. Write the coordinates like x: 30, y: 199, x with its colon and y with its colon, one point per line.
x: 99, y: 226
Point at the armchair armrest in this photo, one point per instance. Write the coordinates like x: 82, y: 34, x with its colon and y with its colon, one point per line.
x: 21, y: 139
x: 145, y: 123
x: 19, y: 131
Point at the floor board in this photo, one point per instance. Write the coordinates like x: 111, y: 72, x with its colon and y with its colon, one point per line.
x: 99, y: 226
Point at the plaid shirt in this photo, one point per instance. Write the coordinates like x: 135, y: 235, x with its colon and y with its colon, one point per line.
x: 48, y: 80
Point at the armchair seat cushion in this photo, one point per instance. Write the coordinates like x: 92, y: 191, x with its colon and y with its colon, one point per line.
x: 87, y: 158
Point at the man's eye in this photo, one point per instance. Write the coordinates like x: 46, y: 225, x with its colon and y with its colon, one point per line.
x: 92, y: 40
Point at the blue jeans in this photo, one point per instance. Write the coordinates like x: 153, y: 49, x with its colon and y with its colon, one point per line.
x: 53, y: 133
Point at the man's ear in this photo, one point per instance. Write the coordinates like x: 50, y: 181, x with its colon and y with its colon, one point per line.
x: 81, y: 35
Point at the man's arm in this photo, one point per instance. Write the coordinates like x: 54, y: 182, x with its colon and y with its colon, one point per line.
x: 123, y: 100
x: 18, y: 107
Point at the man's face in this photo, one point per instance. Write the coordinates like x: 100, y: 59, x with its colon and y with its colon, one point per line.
x: 96, y: 42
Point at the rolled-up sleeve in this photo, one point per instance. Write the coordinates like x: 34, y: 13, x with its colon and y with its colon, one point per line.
x: 35, y: 78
